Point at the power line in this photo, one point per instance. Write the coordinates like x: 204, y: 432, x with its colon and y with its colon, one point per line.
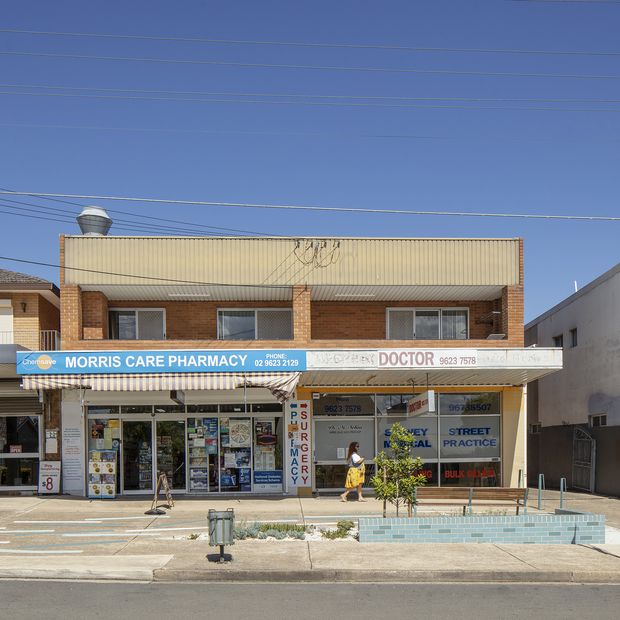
x: 359, y: 46
x: 310, y: 96
x: 125, y: 225
x: 209, y: 229
x: 288, y: 207
x: 313, y: 103
x: 64, y: 220
x: 313, y: 134
x: 251, y: 65
x: 118, y: 223
x: 142, y: 277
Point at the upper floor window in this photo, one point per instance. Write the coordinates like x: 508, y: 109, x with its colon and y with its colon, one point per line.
x: 573, y: 337
x: 137, y: 324
x: 427, y: 324
x: 259, y: 324
x: 598, y: 419
x: 558, y: 341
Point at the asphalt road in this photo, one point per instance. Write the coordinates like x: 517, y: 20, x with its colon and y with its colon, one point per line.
x: 84, y: 600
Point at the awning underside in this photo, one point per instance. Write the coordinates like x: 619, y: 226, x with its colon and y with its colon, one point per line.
x: 280, y: 384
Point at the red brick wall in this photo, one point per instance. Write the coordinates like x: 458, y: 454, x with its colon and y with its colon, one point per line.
x: 94, y: 315
x: 359, y: 320
x: 70, y: 314
x: 49, y: 315
x: 195, y: 319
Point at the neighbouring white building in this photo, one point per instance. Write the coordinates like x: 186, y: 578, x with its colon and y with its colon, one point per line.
x: 574, y: 414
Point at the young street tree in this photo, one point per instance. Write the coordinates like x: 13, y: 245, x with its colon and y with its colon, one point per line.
x: 398, y: 476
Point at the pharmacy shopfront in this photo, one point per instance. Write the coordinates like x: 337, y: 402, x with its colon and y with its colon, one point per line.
x: 283, y: 428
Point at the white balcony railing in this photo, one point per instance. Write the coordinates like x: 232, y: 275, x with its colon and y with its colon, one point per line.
x: 44, y: 340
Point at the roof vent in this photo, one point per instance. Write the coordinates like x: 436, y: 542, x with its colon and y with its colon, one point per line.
x: 94, y: 222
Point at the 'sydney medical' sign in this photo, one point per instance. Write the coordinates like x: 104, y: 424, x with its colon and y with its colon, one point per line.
x: 428, y: 358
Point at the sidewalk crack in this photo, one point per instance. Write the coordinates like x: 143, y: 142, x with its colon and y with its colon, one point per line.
x: 309, y: 554
x: 134, y: 537
x: 515, y: 557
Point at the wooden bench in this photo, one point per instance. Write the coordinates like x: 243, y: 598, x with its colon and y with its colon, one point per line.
x: 469, y: 494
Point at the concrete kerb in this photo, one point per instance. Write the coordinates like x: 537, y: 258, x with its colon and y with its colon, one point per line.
x: 385, y: 576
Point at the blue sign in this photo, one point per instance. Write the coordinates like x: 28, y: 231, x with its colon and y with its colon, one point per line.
x: 268, y: 477
x: 202, y: 360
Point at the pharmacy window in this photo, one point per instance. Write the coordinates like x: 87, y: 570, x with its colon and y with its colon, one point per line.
x: 137, y: 324
x: 427, y: 323
x: 255, y: 324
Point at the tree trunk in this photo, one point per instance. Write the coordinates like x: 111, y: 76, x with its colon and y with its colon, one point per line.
x: 384, y: 500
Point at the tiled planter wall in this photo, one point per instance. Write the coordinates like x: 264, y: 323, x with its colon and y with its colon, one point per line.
x: 564, y: 527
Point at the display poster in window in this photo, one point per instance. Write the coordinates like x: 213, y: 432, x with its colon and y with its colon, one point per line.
x: 333, y: 434
x: 424, y: 430
x: 470, y: 437
x: 240, y: 433
x: 49, y: 477
x: 102, y: 474
x: 470, y: 404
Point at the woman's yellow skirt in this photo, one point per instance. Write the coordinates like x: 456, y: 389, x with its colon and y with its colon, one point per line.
x: 355, y: 477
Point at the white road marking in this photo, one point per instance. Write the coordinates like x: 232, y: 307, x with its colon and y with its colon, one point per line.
x: 127, y: 518
x: 38, y: 552
x: 169, y: 529
x: 4, y: 542
x: 105, y: 534
x: 5, y: 532
x: 48, y: 522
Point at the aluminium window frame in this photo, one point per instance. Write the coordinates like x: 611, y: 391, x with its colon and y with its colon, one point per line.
x: 597, y: 416
x: 136, y: 310
x: 40, y: 455
x: 255, y: 310
x: 413, y: 309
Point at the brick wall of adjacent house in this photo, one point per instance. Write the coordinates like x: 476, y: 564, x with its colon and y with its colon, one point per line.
x: 49, y: 315
x: 31, y: 314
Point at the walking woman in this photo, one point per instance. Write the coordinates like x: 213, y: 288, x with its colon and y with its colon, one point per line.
x: 355, y: 473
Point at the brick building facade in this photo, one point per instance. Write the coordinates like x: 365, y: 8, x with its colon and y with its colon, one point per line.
x: 320, y: 342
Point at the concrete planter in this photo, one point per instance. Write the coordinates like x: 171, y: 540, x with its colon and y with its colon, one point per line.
x: 564, y: 527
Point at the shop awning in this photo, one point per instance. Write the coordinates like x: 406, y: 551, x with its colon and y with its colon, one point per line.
x: 280, y: 384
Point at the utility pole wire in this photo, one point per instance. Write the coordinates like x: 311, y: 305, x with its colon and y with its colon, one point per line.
x: 255, y: 65
x: 310, y: 44
x: 288, y: 207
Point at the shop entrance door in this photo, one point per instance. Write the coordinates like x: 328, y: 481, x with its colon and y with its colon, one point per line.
x: 171, y: 452
x: 137, y: 456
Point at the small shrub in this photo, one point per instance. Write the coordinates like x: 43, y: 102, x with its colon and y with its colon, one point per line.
x: 193, y: 536
x: 342, y: 530
x: 279, y: 531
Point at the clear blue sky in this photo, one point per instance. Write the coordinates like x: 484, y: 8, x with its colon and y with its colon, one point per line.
x: 526, y: 161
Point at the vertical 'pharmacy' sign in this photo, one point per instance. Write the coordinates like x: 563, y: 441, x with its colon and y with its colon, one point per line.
x: 298, y: 445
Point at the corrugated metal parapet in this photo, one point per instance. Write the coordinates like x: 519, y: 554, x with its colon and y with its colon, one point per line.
x: 286, y: 261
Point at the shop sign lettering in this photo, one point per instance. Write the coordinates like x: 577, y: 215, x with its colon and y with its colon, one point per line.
x: 298, y: 444
x: 102, y: 362
x: 428, y: 358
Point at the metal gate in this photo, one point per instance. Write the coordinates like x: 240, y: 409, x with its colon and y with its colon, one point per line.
x: 584, y: 460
